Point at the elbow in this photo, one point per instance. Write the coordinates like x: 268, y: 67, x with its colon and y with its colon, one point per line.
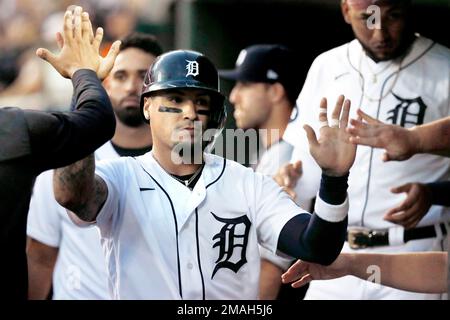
x: 66, y: 200
x: 324, y: 255
x: 329, y: 256
x: 75, y: 207
x: 326, y: 247
x: 69, y: 198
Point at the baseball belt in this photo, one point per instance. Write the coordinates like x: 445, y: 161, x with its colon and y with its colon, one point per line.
x: 360, y: 237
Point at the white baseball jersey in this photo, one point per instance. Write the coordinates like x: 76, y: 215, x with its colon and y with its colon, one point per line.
x: 405, y: 92
x: 80, y: 270
x: 271, y: 160
x: 274, y: 157
x: 165, y: 241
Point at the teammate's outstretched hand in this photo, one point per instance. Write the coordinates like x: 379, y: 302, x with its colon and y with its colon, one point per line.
x: 80, y: 47
x: 287, y: 177
x: 399, y: 143
x: 333, y: 151
x: 413, y: 208
x: 302, y: 272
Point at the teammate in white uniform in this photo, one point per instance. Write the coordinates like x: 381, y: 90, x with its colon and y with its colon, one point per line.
x: 55, y: 242
x: 412, y: 271
x: 398, y: 78
x: 182, y: 225
x: 263, y: 98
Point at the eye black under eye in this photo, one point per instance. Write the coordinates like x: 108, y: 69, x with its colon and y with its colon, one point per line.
x: 169, y: 109
x: 204, y: 112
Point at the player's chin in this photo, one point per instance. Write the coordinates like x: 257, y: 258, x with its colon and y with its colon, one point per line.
x: 384, y: 54
x: 242, y: 124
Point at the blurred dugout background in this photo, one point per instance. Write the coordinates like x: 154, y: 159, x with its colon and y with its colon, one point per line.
x: 218, y: 28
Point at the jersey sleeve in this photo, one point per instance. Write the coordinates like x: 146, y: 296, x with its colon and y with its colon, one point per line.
x: 319, y: 237
x: 44, y: 216
x: 273, y: 209
x: 282, y: 262
x: 116, y: 182
x: 58, y: 139
x: 286, y: 229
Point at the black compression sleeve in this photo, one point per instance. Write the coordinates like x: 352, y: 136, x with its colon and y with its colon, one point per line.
x: 58, y: 139
x: 333, y: 190
x: 440, y: 193
x: 312, y: 238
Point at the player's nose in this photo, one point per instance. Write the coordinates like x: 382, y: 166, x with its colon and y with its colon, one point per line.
x: 234, y: 94
x: 189, y: 111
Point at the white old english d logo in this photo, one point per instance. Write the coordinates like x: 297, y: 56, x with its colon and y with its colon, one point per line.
x: 192, y: 68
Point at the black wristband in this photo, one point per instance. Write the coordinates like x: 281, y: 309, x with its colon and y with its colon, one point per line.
x: 333, y: 190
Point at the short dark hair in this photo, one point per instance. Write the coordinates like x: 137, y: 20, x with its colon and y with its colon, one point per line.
x: 143, y: 41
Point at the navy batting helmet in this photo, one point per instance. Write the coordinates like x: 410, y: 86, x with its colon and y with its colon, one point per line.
x: 185, y: 69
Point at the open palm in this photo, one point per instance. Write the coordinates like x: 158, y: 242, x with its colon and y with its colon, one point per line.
x: 333, y: 151
x: 79, y: 47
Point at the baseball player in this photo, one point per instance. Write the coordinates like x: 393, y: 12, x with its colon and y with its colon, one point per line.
x: 263, y: 98
x: 397, y: 77
x: 57, y: 247
x: 32, y: 142
x: 179, y: 223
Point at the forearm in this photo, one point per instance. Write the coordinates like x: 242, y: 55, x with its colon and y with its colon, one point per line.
x: 78, y: 189
x: 419, y: 272
x: 319, y: 237
x: 433, y: 137
x: 41, y: 263
x: 39, y: 280
x: 269, y: 280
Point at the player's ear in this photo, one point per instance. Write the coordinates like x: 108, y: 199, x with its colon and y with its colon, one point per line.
x: 276, y: 92
x: 345, y: 8
x: 147, y: 103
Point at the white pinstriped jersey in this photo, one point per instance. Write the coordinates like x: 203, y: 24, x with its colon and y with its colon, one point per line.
x: 413, y: 90
x: 278, y: 154
x: 165, y: 241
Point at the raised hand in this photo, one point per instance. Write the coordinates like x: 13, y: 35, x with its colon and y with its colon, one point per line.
x: 333, y: 151
x: 399, y: 143
x: 413, y: 208
x: 79, y: 47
